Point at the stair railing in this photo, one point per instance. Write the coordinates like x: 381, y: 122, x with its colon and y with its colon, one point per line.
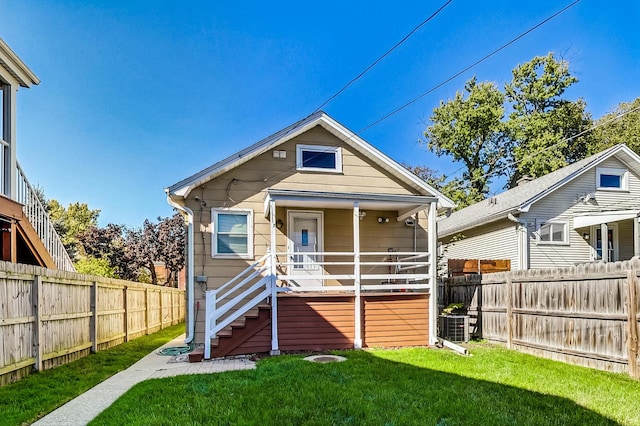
x: 229, y: 302
x: 40, y: 221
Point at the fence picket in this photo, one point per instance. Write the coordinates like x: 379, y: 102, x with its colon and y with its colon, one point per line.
x: 586, y: 315
x: 51, y: 317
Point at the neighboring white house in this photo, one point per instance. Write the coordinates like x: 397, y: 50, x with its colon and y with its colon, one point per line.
x: 560, y: 219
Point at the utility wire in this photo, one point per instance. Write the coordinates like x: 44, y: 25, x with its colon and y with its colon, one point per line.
x: 484, y: 58
x: 405, y: 38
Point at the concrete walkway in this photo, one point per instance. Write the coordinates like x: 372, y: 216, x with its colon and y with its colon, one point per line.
x: 87, y: 406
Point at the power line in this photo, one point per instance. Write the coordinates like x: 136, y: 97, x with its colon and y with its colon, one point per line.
x: 405, y: 38
x: 484, y: 58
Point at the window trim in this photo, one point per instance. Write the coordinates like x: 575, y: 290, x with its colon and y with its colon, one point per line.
x: 336, y: 150
x: 215, y: 212
x: 565, y: 240
x: 624, y: 178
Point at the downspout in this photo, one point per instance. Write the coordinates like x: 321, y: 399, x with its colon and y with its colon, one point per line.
x: 523, y: 242
x: 190, y: 277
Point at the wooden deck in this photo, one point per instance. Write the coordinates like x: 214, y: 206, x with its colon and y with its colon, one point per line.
x: 324, y: 321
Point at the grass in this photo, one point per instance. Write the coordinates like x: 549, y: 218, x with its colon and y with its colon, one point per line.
x: 27, y: 400
x: 388, y: 387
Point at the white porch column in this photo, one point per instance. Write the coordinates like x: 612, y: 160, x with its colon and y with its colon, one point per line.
x: 275, y: 349
x: 357, y: 342
x: 636, y: 237
x: 433, y: 273
x: 604, y: 242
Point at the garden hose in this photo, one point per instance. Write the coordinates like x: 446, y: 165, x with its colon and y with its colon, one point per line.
x: 180, y: 350
x: 176, y: 350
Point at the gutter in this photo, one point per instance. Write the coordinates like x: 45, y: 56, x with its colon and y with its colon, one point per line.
x: 523, y: 242
x: 190, y: 278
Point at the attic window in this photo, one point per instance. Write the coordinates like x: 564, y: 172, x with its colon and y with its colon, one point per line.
x: 319, y: 158
x: 612, y: 179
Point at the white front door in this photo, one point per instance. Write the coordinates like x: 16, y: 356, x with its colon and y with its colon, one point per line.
x: 305, y: 235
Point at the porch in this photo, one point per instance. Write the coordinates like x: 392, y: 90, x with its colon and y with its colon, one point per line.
x: 320, y: 299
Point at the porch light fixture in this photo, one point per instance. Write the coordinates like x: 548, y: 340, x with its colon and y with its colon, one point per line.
x: 279, y: 223
x: 383, y: 220
x: 362, y: 214
x: 585, y: 235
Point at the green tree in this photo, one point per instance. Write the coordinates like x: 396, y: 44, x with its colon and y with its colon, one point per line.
x: 70, y: 222
x: 470, y: 129
x: 543, y: 125
x: 625, y: 129
x: 95, y: 266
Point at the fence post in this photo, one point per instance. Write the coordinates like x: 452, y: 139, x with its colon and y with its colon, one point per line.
x: 632, y: 309
x: 126, y: 313
x: 93, y: 322
x: 509, y: 313
x: 37, y: 313
x: 146, y: 302
x: 161, y: 293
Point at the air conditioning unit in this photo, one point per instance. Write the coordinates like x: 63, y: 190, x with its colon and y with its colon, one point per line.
x: 454, y: 328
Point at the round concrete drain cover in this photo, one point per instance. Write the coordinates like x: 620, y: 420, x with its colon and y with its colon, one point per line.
x: 325, y: 358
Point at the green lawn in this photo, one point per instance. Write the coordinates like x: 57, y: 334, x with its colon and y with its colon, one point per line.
x: 388, y: 387
x: 40, y: 393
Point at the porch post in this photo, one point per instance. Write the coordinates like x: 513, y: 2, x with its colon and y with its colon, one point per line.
x: 275, y: 350
x: 433, y: 273
x: 636, y: 237
x: 357, y: 341
x: 604, y: 244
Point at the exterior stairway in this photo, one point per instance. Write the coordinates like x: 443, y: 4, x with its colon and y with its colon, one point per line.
x: 251, y: 333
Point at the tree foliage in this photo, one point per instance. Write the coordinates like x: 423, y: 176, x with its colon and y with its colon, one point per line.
x: 539, y: 135
x: 70, y: 222
x: 543, y: 125
x: 469, y: 129
x: 619, y: 126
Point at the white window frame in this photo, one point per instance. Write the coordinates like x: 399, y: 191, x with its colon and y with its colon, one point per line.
x: 564, y: 242
x: 624, y: 178
x: 215, y: 212
x: 336, y: 150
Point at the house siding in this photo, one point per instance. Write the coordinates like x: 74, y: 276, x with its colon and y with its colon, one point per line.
x: 565, y: 203
x: 244, y: 187
x: 498, y: 240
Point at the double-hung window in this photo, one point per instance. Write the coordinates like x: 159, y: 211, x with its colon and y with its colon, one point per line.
x: 553, y: 233
x: 232, y: 234
x: 612, y: 179
x: 319, y: 158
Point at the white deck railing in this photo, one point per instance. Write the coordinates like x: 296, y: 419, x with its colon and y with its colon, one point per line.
x: 378, y: 271
x: 40, y: 221
x: 386, y: 271
x: 235, y: 298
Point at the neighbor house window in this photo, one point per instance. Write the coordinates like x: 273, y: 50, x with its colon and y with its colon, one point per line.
x: 607, y: 178
x: 553, y: 233
x: 232, y: 233
x: 319, y: 158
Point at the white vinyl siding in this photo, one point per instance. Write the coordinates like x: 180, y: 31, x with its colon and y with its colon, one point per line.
x: 491, y: 242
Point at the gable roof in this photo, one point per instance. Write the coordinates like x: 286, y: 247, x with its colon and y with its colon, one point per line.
x: 519, y: 199
x: 184, y: 187
x: 15, y: 67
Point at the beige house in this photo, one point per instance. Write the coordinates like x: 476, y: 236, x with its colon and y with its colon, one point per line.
x: 309, y: 239
x: 585, y: 212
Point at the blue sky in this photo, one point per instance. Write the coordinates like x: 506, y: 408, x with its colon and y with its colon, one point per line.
x: 137, y: 95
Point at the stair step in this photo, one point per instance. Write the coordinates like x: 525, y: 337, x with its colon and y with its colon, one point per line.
x: 264, y: 306
x: 239, y: 323
x: 225, y: 333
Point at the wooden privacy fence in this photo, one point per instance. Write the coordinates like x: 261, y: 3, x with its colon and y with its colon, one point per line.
x: 585, y: 315
x: 51, y: 317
